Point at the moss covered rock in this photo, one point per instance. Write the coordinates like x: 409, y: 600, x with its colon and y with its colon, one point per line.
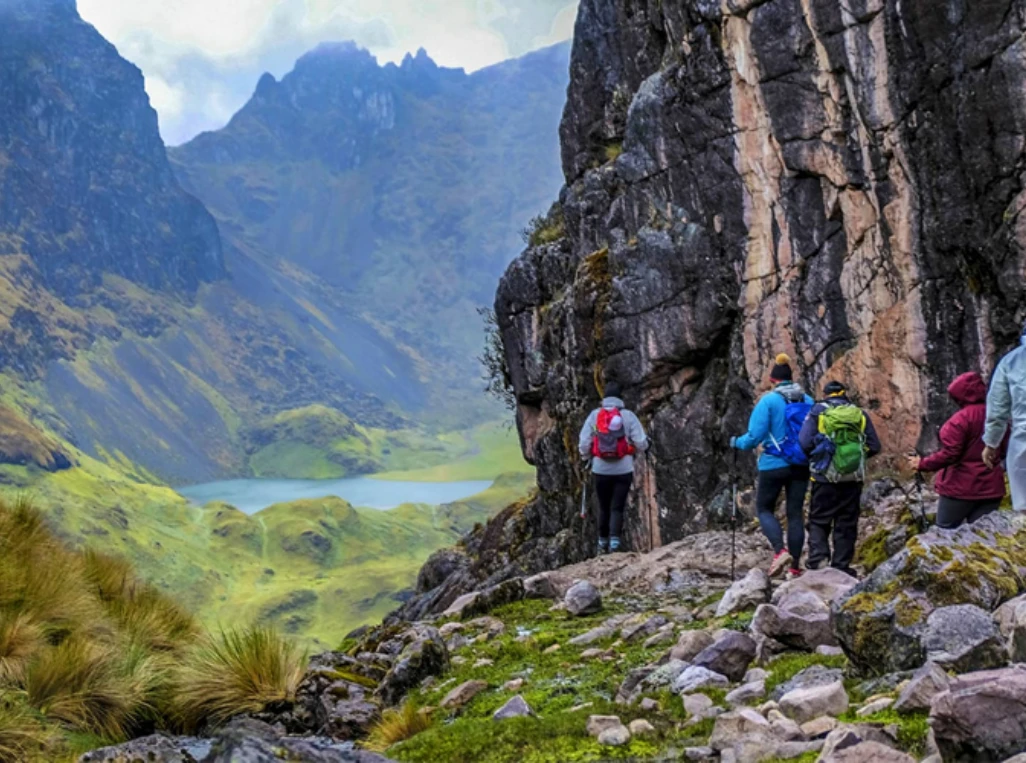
x: 880, y: 623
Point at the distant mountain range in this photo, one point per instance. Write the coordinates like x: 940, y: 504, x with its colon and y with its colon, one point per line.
x: 326, y: 249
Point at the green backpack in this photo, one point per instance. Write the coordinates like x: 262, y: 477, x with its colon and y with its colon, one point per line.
x: 845, y: 425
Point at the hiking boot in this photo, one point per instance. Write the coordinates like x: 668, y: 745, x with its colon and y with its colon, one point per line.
x: 781, y: 562
x: 794, y: 573
x: 603, y: 546
x: 817, y: 565
x: 614, y: 545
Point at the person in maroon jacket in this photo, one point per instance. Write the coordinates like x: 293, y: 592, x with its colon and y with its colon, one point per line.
x: 967, y: 487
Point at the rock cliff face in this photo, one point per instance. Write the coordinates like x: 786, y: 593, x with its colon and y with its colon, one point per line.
x: 85, y: 185
x: 838, y: 181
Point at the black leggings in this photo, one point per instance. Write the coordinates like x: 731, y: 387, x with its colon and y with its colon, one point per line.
x: 794, y: 481
x: 952, y: 512
x: 612, y: 490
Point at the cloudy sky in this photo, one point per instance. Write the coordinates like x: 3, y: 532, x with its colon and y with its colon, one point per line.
x: 202, y: 58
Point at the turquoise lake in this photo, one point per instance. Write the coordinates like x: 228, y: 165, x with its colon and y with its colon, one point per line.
x: 253, y: 495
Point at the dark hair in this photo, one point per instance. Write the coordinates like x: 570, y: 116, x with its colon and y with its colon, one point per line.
x: 612, y: 389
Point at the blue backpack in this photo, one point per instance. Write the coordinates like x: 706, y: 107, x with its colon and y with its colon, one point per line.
x: 790, y: 449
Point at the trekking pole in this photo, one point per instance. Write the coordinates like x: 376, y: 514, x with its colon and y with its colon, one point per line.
x: 584, y: 490
x: 733, y: 516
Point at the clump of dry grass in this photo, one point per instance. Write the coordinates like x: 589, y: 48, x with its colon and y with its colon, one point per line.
x: 237, y: 672
x: 397, y: 725
x: 22, y: 736
x: 87, y: 647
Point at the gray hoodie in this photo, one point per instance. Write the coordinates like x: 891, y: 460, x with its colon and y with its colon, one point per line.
x: 634, y: 431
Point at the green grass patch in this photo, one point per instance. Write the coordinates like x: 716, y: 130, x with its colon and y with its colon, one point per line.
x: 913, y: 728
x: 488, y: 451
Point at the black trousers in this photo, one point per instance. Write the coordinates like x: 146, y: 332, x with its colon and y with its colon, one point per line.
x: 951, y: 512
x: 834, y: 510
x: 794, y: 481
x: 612, y: 490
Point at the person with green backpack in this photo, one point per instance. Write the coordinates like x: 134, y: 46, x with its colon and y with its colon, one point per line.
x: 839, y: 437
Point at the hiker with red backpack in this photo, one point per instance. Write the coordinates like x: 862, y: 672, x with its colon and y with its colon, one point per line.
x: 783, y: 466
x: 839, y: 437
x: 610, y: 437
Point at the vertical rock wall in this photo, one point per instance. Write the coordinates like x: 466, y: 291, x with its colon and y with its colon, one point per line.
x: 838, y: 181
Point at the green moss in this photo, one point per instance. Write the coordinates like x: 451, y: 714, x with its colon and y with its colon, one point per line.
x: 873, y: 550
x: 614, y: 151
x: 913, y: 728
x: 353, y: 678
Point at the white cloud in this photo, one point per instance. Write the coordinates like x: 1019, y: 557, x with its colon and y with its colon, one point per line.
x: 202, y: 58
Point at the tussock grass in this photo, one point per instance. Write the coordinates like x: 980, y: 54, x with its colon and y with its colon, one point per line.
x: 22, y: 736
x: 237, y: 672
x: 90, y: 652
x: 397, y: 725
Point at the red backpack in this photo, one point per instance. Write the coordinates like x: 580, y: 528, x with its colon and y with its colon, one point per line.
x: 610, y: 444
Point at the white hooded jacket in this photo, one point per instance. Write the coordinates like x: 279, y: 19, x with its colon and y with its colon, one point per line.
x: 1006, y: 405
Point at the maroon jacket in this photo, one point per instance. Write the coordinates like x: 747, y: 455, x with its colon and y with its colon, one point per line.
x: 963, y: 475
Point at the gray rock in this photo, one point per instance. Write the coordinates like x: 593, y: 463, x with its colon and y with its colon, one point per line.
x: 964, y: 638
x: 814, y: 675
x: 539, y: 587
x: 829, y: 651
x: 927, y: 682
x: 463, y: 693
x: 639, y: 631
x: 698, y: 753
x: 599, y: 723
x: 663, y: 636
x: 867, y: 752
x: 804, y: 705
x: 629, y: 686
x: 615, y: 736
x: 982, y: 716
x: 640, y: 727
x: 819, y: 728
x: 755, y: 674
x: 1011, y: 621
x: 690, y: 644
x: 874, y: 707
x: 664, y: 675
x: 747, y: 593
x: 849, y: 735
x: 242, y: 741
x: 595, y: 634
x: 425, y: 655
x: 738, y: 724
x: 805, y: 626
x: 583, y: 598
x: 696, y: 705
x: 827, y: 585
x: 747, y: 693
x: 157, y: 748
x: 482, y: 602
x: 784, y: 727
x: 729, y: 656
x: 516, y: 707
x: 697, y: 677
x: 649, y: 705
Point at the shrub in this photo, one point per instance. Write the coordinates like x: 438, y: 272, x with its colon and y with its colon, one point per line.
x: 545, y: 229
x: 237, y: 672
x: 499, y: 384
x: 397, y: 725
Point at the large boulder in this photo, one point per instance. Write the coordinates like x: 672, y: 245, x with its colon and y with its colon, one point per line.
x: 805, y: 627
x: 964, y: 638
x: 729, y: 655
x: 867, y: 752
x: 747, y: 593
x: 690, y: 644
x: 982, y: 716
x: 1011, y: 621
x: 828, y: 585
x: 424, y: 655
x: 583, y: 598
x: 881, y: 622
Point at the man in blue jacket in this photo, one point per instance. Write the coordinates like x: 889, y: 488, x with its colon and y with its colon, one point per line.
x: 768, y: 426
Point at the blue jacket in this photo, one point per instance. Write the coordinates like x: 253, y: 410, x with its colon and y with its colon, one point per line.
x: 768, y: 419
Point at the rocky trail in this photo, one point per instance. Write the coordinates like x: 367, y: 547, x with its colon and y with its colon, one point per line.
x: 659, y: 656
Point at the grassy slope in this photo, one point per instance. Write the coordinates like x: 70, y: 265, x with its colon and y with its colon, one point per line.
x: 292, y: 565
